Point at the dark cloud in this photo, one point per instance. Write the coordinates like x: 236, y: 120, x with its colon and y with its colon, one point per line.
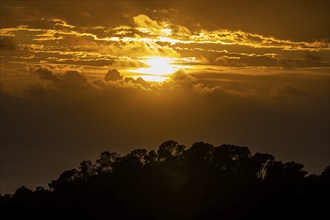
x: 37, y: 90
x: 12, y: 15
x: 245, y: 60
x: 288, y: 90
x: 46, y: 74
x: 286, y: 64
x: 6, y: 43
x: 70, y: 79
x: 113, y: 75
x: 74, y: 78
x: 183, y: 76
x: 313, y: 56
x: 142, y: 82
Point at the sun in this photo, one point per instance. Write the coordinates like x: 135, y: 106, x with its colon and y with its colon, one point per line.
x: 158, y: 68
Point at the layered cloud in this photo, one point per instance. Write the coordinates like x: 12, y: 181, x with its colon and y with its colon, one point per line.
x: 54, y: 41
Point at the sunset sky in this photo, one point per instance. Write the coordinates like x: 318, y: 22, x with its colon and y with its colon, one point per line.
x: 82, y: 77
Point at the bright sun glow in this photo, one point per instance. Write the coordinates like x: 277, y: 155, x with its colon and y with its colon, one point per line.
x: 158, y: 69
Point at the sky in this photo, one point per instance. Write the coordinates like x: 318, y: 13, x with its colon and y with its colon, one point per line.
x: 82, y: 77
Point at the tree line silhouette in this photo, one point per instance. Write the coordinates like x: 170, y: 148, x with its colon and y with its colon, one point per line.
x: 202, y: 182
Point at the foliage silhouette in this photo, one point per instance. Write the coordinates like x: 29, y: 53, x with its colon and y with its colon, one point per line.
x: 202, y: 182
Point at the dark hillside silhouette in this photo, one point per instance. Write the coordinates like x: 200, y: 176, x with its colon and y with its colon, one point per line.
x: 202, y: 182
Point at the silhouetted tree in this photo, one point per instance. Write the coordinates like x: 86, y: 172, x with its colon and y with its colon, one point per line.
x: 169, y: 150
x: 22, y: 194
x: 201, y: 182
x: 86, y: 169
x: 104, y: 163
x: 65, y: 180
x: 151, y: 158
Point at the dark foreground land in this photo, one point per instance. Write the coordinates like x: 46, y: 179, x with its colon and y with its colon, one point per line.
x: 202, y: 182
